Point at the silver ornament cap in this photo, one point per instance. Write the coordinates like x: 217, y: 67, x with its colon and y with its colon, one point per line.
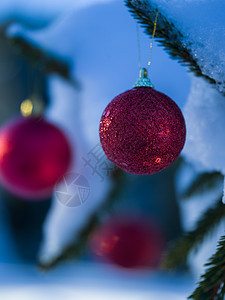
x: 143, y: 80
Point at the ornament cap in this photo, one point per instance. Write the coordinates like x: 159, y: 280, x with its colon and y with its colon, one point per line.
x: 143, y: 80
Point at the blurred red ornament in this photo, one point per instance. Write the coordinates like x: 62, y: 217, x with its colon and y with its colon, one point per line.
x: 34, y: 154
x: 128, y: 242
x: 142, y: 131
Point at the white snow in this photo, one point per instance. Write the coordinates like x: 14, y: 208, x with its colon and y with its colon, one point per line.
x: 223, y: 192
x: 202, y: 24
x: 90, y: 282
x: 204, y: 115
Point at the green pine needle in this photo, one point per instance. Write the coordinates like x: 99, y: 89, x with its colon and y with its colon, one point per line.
x: 178, y: 254
x: 202, y: 183
x: 212, y: 283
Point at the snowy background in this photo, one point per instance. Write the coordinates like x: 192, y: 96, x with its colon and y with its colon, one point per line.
x: 99, y: 40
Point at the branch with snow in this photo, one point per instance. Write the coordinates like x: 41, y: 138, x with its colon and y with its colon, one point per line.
x: 194, y: 41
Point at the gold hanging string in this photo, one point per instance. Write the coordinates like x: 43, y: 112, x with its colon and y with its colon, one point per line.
x: 153, y: 36
x: 151, y: 43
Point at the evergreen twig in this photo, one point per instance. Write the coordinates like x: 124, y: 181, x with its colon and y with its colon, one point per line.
x: 203, y: 182
x: 167, y: 35
x: 212, y: 283
x: 178, y: 254
x: 74, y: 250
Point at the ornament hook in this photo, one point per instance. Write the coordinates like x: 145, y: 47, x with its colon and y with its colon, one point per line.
x: 143, y: 80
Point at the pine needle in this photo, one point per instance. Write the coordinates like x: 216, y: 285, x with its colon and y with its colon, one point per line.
x: 202, y: 183
x: 178, y: 254
x: 212, y: 283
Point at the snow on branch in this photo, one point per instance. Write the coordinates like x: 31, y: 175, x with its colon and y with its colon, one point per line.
x: 176, y: 42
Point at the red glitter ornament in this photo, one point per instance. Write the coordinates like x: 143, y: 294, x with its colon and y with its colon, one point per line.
x: 128, y: 242
x: 142, y: 131
x: 34, y: 154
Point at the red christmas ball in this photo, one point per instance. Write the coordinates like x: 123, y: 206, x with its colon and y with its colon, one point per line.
x: 142, y: 131
x: 34, y: 154
x: 128, y: 242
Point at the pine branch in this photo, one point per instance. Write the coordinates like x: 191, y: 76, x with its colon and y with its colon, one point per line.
x: 167, y: 35
x: 45, y: 61
x: 212, y: 284
x: 178, y: 254
x: 203, y: 182
x: 75, y: 249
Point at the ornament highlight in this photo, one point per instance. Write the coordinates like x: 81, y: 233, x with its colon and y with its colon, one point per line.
x: 142, y: 131
x: 34, y: 154
x: 128, y: 242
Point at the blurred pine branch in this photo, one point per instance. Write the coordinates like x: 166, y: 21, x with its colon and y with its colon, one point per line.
x: 178, y: 254
x: 45, y: 61
x: 202, y: 183
x: 212, y: 283
x: 167, y: 35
